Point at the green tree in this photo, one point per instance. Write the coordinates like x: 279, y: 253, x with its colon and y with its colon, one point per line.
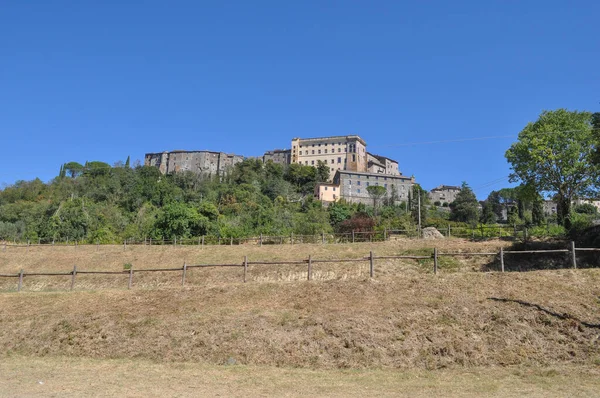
x: 488, y: 215
x: 465, y: 207
x: 376, y: 192
x: 127, y: 161
x: 74, y: 169
x: 322, y: 171
x: 554, y: 154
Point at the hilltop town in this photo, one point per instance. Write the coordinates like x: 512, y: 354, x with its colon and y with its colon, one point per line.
x: 351, y: 167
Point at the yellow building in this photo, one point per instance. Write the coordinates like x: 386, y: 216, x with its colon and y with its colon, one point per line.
x: 339, y: 153
x: 327, y: 192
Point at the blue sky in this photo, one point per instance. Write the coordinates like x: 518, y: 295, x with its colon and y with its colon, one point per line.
x: 101, y: 80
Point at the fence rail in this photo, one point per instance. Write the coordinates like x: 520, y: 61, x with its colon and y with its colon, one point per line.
x: 371, y: 258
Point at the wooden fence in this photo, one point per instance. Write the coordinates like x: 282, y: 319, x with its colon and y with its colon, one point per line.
x: 435, y: 255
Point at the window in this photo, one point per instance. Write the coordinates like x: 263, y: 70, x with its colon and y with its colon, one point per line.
x: 357, y: 182
x: 319, y: 151
x: 313, y: 151
x: 349, y: 182
x: 339, y: 149
x: 354, y: 158
x: 332, y: 161
x: 367, y: 183
x: 333, y: 189
x: 326, y: 188
x: 300, y: 152
x: 358, y: 190
x: 325, y: 150
x: 385, y: 186
x: 312, y: 162
x: 306, y: 162
x: 339, y: 160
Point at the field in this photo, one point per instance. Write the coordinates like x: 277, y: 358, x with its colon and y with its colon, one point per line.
x: 461, y: 332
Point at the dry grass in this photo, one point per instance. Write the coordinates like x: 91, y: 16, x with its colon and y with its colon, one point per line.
x: 112, y: 258
x: 68, y: 377
x: 407, y: 321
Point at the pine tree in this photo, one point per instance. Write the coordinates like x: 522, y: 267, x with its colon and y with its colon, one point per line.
x: 127, y: 162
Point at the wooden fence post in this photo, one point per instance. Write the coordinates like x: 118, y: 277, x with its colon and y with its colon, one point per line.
x: 124, y: 244
x: 202, y: 241
x: 371, y: 265
x: 73, y: 275
x: 309, y: 267
x: 448, y: 230
x: 245, y: 267
x: 352, y: 236
x: 20, y: 281
x: 130, y: 277
x: 183, y: 274
x: 323, y: 237
x: 385, y: 234
x: 573, y: 256
x: 502, y: 259
x: 292, y: 238
x: 231, y: 241
x: 260, y: 241
x: 435, y: 260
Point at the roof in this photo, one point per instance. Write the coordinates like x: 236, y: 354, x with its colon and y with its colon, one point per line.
x: 337, y: 137
x: 445, y: 187
x: 177, y: 151
x: 399, y: 177
x: 382, y: 157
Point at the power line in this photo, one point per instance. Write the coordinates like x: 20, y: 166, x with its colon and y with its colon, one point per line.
x: 446, y: 141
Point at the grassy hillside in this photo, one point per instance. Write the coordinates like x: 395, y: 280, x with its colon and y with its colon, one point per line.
x: 406, y: 317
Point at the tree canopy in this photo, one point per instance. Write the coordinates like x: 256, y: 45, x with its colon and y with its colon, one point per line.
x: 554, y: 155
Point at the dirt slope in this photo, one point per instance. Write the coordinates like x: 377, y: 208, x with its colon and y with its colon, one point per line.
x: 399, y: 320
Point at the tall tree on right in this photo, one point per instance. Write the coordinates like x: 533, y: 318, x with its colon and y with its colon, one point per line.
x: 555, y: 155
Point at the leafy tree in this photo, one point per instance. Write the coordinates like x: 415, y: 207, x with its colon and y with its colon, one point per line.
x: 465, y: 206
x: 585, y: 208
x: 376, y: 192
x: 554, y: 154
x: 322, y: 171
x: 488, y: 215
x: 73, y: 169
x: 413, y: 203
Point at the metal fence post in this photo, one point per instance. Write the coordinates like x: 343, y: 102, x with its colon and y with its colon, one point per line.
x: 573, y: 256
x: 502, y: 259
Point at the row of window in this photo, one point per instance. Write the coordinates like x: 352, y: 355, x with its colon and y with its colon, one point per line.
x: 402, y: 187
x: 324, y: 151
x: 332, y: 161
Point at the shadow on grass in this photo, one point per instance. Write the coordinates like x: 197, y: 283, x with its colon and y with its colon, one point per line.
x: 564, y: 316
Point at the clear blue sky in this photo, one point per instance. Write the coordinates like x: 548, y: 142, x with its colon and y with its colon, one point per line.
x: 101, y: 80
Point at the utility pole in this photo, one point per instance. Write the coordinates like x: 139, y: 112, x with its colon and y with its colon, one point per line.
x: 419, y: 213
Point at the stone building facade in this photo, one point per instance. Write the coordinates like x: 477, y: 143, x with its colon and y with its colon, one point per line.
x: 205, y: 163
x: 382, y: 165
x: 279, y: 156
x: 353, y: 185
x: 338, y: 152
x: 444, y: 194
